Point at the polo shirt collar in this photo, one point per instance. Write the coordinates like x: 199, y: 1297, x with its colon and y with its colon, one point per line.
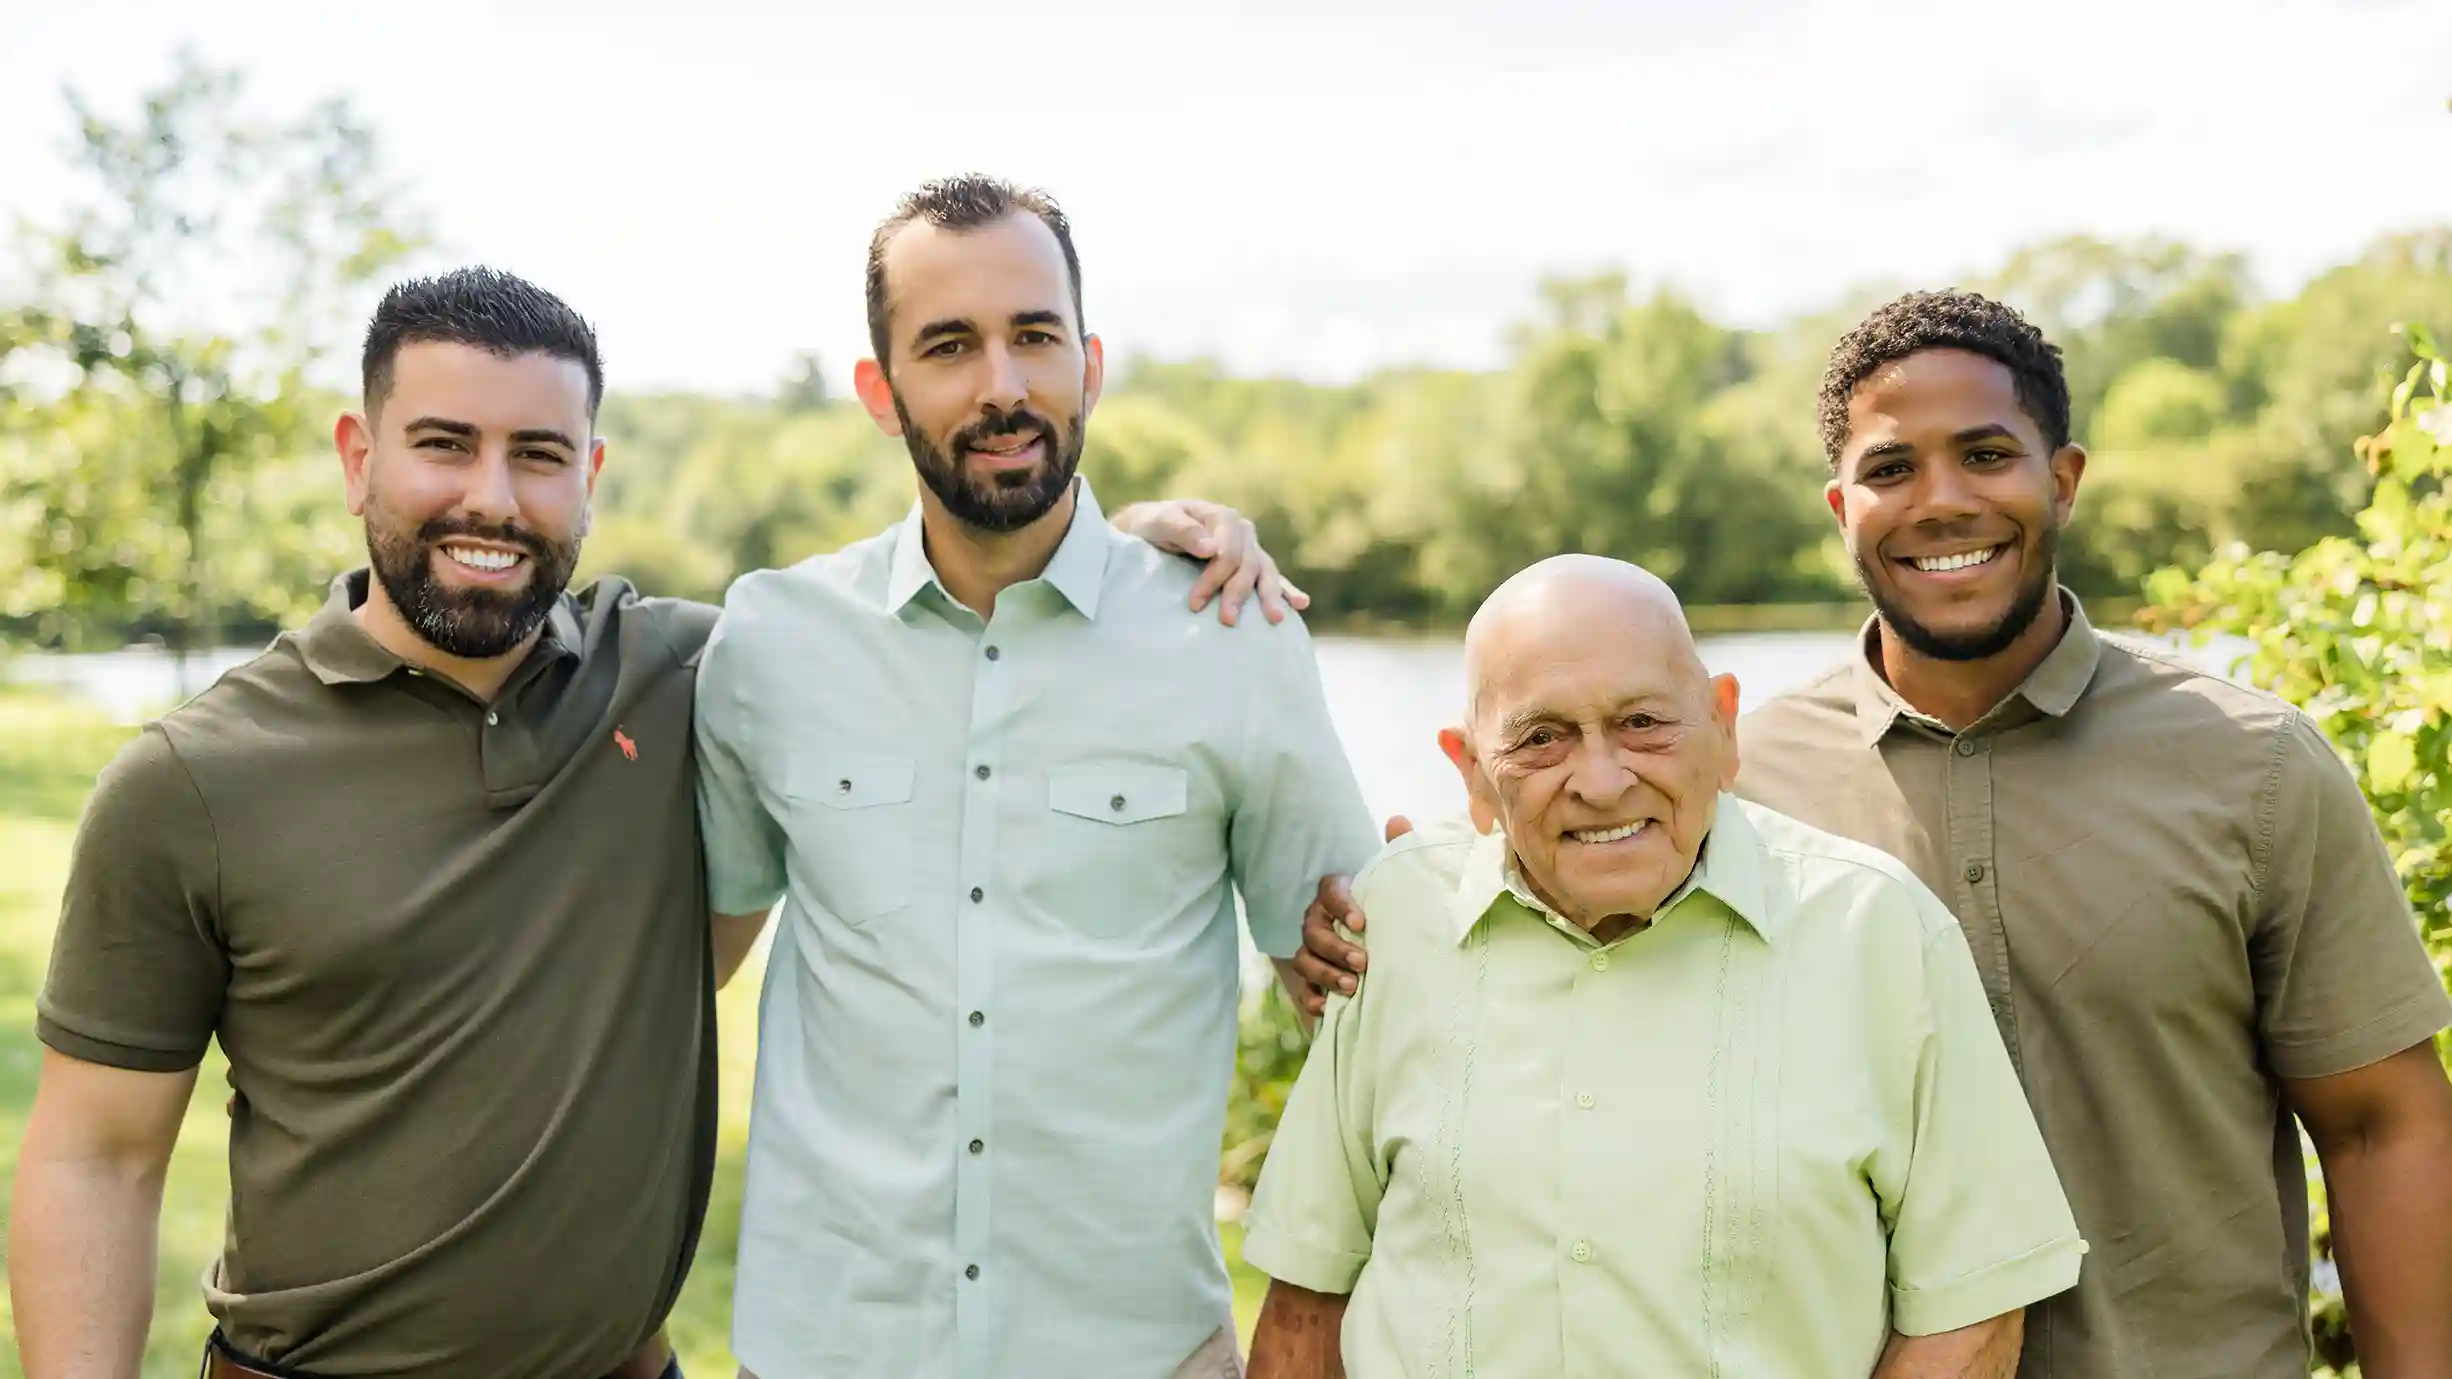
x: 340, y: 652
x: 1077, y: 571
x: 2052, y: 688
x: 1733, y: 869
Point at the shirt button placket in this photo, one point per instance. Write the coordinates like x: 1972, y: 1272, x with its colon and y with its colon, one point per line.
x: 992, y: 679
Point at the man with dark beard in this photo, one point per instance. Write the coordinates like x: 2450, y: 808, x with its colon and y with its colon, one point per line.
x: 2187, y: 926
x: 1008, y: 794
x: 427, y: 868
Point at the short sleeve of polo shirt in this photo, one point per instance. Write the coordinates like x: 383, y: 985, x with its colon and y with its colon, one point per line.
x: 138, y: 970
x: 1979, y: 1224
x: 2342, y: 979
x: 744, y: 847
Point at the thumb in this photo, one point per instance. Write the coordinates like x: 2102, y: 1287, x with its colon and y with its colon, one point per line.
x: 1398, y: 827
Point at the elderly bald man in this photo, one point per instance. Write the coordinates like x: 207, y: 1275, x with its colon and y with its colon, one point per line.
x: 1645, y: 1080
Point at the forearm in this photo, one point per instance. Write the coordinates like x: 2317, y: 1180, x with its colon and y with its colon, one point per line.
x: 81, y: 1261
x: 1297, y: 1337
x: 2391, y: 1203
x: 1986, y: 1350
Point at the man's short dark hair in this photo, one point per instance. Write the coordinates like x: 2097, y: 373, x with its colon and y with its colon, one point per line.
x: 1923, y: 321
x: 967, y: 202
x: 492, y: 310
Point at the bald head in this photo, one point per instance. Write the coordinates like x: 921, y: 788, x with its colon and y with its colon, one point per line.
x: 1570, y: 598
x: 1594, y: 736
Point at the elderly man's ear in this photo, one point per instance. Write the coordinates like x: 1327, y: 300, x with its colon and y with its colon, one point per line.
x: 1476, y: 785
x: 1724, y: 710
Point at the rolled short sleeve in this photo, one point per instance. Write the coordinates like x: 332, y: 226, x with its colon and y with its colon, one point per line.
x: 1979, y: 1225
x: 744, y: 847
x: 138, y: 969
x: 2342, y: 979
x: 1313, y: 1215
x: 1298, y: 813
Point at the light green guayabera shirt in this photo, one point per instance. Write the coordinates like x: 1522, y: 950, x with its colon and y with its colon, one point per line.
x: 1751, y: 1139
x: 999, y: 1016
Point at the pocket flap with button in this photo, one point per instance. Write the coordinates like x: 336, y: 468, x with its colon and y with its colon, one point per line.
x: 851, y: 780
x: 1117, y: 792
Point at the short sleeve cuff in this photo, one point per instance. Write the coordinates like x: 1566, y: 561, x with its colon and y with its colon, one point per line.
x: 2410, y: 1021
x: 2002, y: 1288
x: 1302, y: 1263
x: 110, y: 1053
x: 741, y: 898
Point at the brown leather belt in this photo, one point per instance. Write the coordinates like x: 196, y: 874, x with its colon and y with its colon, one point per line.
x: 649, y: 1363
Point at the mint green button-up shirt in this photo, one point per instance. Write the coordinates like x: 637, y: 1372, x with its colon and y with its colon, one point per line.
x: 999, y: 1012
x: 1749, y: 1140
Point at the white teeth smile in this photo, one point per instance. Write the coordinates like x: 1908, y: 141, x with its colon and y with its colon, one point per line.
x: 1938, y: 564
x: 1605, y: 835
x: 475, y: 559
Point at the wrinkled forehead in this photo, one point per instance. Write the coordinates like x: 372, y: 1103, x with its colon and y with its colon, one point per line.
x: 475, y: 387
x: 1576, y: 674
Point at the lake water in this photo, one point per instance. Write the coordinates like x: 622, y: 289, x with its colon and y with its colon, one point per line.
x: 1388, y: 696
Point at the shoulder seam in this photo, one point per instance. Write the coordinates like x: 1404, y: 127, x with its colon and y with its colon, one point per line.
x: 212, y: 830
x: 2261, y: 872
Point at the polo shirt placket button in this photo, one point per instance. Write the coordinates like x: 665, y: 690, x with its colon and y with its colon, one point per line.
x: 979, y: 1146
x: 1966, y: 746
x: 993, y: 653
x: 978, y: 1018
x: 971, y: 1271
x: 977, y: 895
x: 492, y: 718
x: 1975, y: 871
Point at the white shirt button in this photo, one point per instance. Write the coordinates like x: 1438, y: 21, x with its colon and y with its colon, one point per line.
x: 1582, y: 1252
x: 1584, y: 1100
x: 492, y: 718
x: 1600, y: 962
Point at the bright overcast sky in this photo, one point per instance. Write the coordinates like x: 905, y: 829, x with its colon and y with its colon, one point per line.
x: 1318, y: 188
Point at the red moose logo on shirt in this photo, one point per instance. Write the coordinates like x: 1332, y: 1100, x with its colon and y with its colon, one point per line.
x: 630, y: 750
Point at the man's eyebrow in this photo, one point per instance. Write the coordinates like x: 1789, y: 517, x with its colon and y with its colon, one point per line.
x: 1523, y: 719
x: 951, y: 325
x: 550, y: 437
x: 1040, y: 318
x: 1989, y: 431
x: 1887, y: 450
x: 445, y: 425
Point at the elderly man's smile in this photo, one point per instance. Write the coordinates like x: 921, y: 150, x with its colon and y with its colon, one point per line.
x: 1599, y: 837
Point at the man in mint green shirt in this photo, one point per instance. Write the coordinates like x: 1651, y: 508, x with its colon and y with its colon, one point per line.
x: 1009, y: 792
x: 1643, y: 1079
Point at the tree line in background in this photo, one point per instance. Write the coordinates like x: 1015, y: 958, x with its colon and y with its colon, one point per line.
x: 165, y: 467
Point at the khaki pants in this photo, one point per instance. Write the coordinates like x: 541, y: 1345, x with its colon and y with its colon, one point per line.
x: 1217, y: 1358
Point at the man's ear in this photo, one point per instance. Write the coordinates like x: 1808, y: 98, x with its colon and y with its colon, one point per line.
x: 353, y: 437
x: 2068, y: 468
x: 1477, y: 790
x: 868, y: 380
x: 1724, y: 712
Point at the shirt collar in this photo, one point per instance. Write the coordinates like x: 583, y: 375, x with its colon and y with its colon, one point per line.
x: 340, y: 652
x: 1732, y: 870
x: 2052, y: 688
x: 1077, y: 570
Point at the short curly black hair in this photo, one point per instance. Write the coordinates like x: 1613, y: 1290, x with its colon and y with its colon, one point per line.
x: 1952, y: 320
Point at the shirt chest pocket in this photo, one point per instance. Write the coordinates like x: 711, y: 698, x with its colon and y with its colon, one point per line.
x: 850, y: 824
x: 1120, y: 845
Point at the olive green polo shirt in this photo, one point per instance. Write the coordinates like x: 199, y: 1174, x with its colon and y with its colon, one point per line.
x: 2176, y: 896
x: 1752, y: 1138
x: 456, y: 953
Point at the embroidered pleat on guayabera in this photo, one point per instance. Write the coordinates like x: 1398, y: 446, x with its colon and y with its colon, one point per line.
x: 1741, y: 1167
x: 1448, y: 1349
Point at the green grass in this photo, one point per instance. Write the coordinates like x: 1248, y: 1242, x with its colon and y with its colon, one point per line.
x: 50, y: 750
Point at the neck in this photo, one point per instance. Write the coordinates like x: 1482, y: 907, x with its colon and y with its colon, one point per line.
x: 484, y: 678
x: 975, y: 566
x: 1957, y: 693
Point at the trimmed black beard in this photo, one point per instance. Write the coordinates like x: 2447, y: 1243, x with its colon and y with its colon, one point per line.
x: 1009, y: 502
x: 472, y: 624
x: 1983, y: 642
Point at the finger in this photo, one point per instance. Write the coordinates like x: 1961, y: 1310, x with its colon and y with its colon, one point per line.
x: 1311, y: 1003
x: 1179, y: 530
x: 1296, y: 596
x: 1239, y: 588
x: 1322, y: 974
x: 1398, y: 827
x: 1272, y: 591
x: 1213, y: 577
